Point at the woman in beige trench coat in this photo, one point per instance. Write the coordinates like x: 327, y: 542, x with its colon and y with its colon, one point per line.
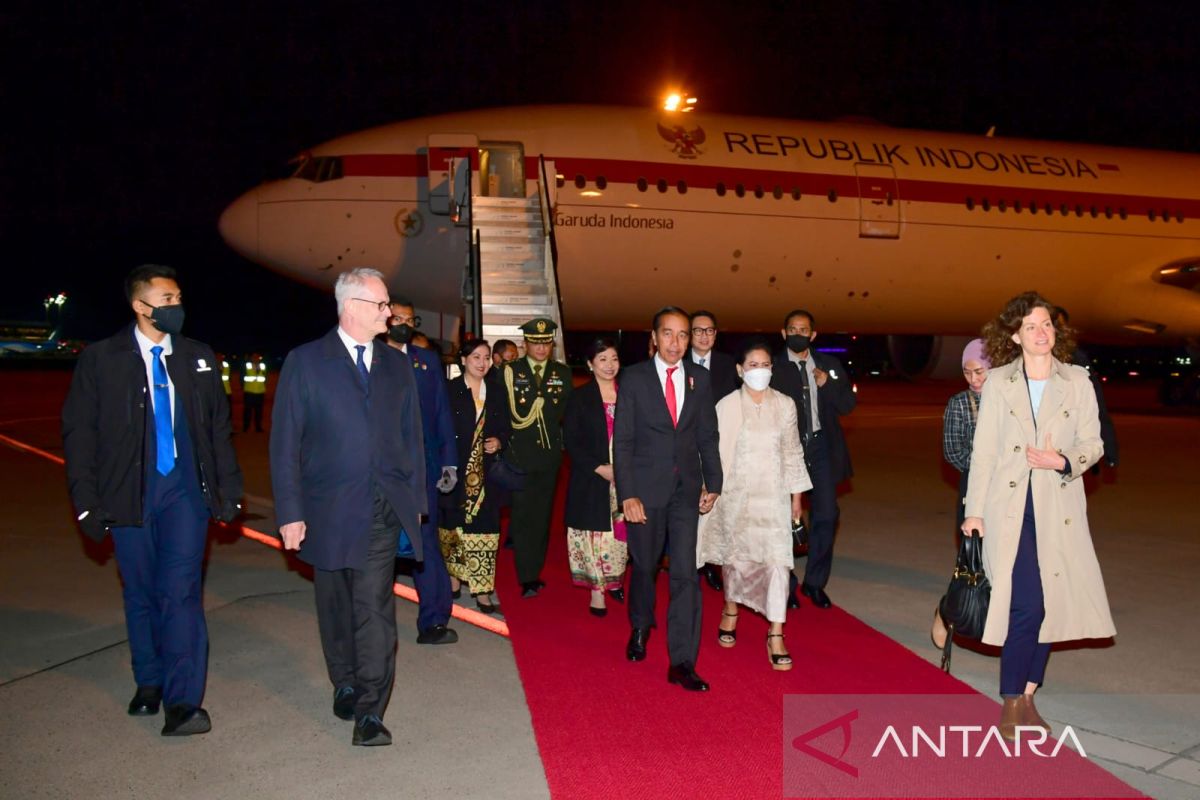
x: 1038, y: 433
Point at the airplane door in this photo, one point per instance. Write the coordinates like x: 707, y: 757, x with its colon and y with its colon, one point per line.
x: 448, y: 159
x: 502, y: 169
x: 878, y: 201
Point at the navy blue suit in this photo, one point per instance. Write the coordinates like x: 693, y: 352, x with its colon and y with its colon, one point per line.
x: 159, y: 522
x: 346, y: 459
x: 437, y: 427
x: 330, y: 446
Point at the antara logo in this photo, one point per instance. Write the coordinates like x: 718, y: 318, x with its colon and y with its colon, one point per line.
x: 684, y: 143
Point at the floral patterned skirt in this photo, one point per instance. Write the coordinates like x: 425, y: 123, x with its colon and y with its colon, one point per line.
x: 598, y: 559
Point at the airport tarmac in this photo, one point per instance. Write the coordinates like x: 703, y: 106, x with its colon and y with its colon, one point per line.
x: 458, y: 713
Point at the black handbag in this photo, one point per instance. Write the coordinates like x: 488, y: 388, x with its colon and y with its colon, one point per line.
x: 964, y: 607
x: 503, y: 474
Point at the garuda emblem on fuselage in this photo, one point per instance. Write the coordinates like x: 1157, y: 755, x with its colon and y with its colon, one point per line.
x: 684, y: 143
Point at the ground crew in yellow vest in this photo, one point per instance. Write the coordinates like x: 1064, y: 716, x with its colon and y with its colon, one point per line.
x: 254, y: 392
x: 537, y: 390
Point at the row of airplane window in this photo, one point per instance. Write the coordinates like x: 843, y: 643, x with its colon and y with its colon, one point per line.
x: 1066, y: 209
x: 778, y: 192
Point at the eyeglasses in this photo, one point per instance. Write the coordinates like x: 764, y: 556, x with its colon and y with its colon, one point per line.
x: 381, y: 305
x: 703, y: 331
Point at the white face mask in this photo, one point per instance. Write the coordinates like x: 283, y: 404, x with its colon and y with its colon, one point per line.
x: 757, y: 379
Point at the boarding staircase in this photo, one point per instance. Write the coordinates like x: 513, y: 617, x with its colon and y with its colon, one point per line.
x: 513, y: 264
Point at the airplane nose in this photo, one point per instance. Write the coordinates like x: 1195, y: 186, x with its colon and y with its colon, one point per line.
x: 239, y: 225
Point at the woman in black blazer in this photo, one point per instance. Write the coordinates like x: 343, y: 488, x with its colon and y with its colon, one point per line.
x: 469, y: 532
x: 595, y: 530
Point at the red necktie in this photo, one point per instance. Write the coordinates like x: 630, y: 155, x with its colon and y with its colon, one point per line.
x: 671, y: 397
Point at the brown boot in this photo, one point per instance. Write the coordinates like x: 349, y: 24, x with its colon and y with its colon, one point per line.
x: 1010, y: 718
x: 1030, y: 717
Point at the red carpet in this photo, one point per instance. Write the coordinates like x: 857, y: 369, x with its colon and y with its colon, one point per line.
x: 606, y: 727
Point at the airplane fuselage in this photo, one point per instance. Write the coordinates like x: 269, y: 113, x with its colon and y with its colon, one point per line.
x: 875, y: 229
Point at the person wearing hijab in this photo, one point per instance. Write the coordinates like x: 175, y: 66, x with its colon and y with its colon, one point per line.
x: 958, y: 432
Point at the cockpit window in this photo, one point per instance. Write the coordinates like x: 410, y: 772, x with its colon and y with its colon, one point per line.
x: 318, y: 169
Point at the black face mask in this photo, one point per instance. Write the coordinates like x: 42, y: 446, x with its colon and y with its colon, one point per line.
x: 168, y: 319
x: 400, y: 334
x: 797, y: 343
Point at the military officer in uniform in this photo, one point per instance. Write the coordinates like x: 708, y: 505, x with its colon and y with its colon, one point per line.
x: 537, y: 390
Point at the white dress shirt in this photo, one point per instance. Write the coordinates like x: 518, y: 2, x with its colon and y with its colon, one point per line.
x: 676, y: 378
x: 812, y: 387
x: 352, y: 345
x: 144, y: 345
x: 704, y: 361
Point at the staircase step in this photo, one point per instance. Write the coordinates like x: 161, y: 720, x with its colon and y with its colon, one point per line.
x: 510, y: 233
x: 505, y: 202
x: 534, y: 284
x: 514, y: 315
x: 499, y: 299
x: 524, y: 251
x: 504, y: 216
x: 497, y: 264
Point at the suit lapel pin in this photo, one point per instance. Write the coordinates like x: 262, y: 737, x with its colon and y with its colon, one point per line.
x: 691, y: 383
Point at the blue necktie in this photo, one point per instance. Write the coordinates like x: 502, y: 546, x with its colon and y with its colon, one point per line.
x: 362, y: 365
x: 163, y: 434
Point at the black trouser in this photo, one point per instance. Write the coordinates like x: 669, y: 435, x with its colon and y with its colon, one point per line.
x: 674, y: 524
x: 824, y: 512
x: 252, y: 405
x: 356, y: 614
x: 529, y: 523
x: 1023, y: 658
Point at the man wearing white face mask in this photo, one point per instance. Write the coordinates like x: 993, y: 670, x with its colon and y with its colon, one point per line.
x: 749, y: 531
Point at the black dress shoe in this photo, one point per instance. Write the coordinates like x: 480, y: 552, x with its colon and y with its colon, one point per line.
x: 483, y: 605
x: 457, y: 593
x: 712, y: 577
x: 598, y: 612
x: 370, y: 732
x: 531, y: 588
x: 145, y: 701
x: 817, y: 595
x: 636, y: 649
x: 343, y: 702
x: 617, y: 594
x: 185, y: 721
x: 683, y: 675
x: 438, y: 634
x: 793, y: 601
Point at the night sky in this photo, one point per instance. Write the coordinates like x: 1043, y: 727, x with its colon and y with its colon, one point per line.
x: 129, y: 128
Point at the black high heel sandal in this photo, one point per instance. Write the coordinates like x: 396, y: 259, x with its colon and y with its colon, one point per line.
x: 779, y: 661
x: 727, y: 638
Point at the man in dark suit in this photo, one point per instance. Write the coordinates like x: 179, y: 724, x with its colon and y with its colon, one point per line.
x: 146, y: 437
x: 667, y: 467
x: 348, y: 471
x: 441, y: 474
x: 723, y: 372
x: 721, y: 367
x: 823, y: 392
x: 537, y: 390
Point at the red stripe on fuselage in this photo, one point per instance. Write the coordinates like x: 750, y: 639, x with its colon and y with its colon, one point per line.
x: 699, y: 176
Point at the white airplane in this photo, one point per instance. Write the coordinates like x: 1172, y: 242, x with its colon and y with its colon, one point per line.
x: 502, y: 213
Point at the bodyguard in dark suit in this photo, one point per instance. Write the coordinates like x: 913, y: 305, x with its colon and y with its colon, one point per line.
x: 348, y: 471
x: 146, y: 438
x: 537, y: 390
x: 721, y: 367
x: 823, y: 392
x: 723, y: 372
x: 441, y: 474
x: 667, y: 467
